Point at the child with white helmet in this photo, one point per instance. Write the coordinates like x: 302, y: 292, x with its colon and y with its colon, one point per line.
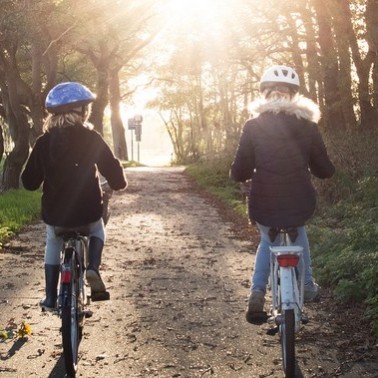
x: 278, y: 151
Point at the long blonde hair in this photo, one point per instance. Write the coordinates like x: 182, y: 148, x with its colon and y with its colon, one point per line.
x: 77, y: 116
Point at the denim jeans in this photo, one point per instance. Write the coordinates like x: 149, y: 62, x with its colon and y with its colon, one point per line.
x: 262, y: 261
x: 54, y: 243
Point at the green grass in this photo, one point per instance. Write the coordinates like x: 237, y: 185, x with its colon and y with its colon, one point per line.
x: 17, y: 209
x: 344, y: 248
x: 130, y: 163
x: 213, y: 177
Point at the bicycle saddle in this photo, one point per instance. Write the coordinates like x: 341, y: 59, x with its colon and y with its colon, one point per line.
x: 69, y: 232
x: 291, y: 231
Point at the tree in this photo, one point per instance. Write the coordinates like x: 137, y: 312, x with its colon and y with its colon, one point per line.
x: 112, y: 35
x: 343, y: 31
x: 24, y: 49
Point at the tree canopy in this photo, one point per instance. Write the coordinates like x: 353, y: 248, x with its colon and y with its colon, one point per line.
x: 204, y: 58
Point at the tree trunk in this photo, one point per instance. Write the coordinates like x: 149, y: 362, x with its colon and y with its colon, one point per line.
x: 363, y: 67
x: 375, y: 83
x: 334, y: 117
x: 18, y: 122
x: 17, y: 119
x: 1, y: 142
x: 342, y: 24
x: 296, y: 52
x: 118, y: 130
x: 37, y: 106
x: 102, y: 93
x: 372, y: 39
x: 315, y: 83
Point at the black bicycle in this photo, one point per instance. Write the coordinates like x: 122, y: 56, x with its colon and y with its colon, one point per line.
x: 72, y: 299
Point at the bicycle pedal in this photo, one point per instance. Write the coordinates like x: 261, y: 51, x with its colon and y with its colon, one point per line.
x: 88, y: 314
x: 100, y: 296
x: 272, y: 331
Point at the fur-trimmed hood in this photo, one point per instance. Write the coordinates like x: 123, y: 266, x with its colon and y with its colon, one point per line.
x: 300, y: 106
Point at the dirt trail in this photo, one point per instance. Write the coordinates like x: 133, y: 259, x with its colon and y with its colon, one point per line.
x: 178, y: 273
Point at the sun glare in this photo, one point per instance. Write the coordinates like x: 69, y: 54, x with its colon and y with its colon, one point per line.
x: 187, y: 9
x: 206, y: 14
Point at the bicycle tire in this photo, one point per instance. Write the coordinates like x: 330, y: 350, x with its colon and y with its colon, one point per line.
x: 81, y: 293
x: 71, y: 332
x: 288, y: 343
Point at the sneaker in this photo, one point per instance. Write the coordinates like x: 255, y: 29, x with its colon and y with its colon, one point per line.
x: 95, y: 281
x: 255, y: 311
x: 312, y: 292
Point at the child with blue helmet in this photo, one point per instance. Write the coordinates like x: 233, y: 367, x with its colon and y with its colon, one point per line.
x: 67, y: 160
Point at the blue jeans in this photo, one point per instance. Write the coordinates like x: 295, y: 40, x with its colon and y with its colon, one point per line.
x: 262, y: 261
x: 54, y: 243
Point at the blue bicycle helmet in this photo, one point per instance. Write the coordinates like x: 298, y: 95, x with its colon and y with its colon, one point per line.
x: 66, y: 96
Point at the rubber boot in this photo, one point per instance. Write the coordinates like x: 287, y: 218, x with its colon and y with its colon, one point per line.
x: 51, y: 285
x: 98, y: 290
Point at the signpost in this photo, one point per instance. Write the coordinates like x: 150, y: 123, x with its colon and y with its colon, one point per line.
x: 135, y: 124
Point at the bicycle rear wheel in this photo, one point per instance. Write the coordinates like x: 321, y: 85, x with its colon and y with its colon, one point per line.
x: 70, y: 318
x: 288, y: 342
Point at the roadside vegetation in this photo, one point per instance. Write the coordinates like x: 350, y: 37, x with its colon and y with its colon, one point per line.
x: 343, y: 232
x: 18, y: 207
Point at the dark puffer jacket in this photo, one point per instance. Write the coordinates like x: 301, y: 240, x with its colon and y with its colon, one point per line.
x: 279, y: 150
x: 67, y: 161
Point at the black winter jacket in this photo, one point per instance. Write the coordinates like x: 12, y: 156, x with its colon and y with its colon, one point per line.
x: 67, y: 161
x: 279, y: 150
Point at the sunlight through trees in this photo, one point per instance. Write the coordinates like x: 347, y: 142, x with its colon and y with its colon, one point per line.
x: 201, y: 59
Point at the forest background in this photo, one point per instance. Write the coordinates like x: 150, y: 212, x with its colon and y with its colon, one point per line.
x: 203, y: 61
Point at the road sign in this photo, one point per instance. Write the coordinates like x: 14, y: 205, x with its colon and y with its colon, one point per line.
x: 138, y: 132
x: 131, y: 124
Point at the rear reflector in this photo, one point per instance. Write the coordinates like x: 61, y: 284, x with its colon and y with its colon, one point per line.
x: 288, y: 260
x: 66, y: 276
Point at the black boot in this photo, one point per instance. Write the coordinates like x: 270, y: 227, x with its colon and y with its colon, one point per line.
x: 98, y: 290
x: 51, y: 284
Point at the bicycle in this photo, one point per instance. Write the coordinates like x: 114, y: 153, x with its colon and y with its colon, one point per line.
x: 72, y: 297
x: 287, y: 288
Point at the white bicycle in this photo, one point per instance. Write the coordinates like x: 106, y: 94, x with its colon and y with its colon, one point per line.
x: 287, y: 287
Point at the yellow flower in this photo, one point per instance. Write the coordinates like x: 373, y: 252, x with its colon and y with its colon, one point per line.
x: 24, y: 330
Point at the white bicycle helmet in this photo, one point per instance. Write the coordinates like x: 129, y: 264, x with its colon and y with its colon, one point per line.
x: 280, y: 75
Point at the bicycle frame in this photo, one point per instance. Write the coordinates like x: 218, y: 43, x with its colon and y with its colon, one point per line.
x: 287, y: 282
x: 72, y: 297
x: 75, y: 246
x: 287, y: 286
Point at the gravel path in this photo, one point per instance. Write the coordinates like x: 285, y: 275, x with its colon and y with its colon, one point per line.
x: 177, y: 267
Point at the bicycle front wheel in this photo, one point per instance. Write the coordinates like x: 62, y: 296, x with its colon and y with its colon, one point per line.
x: 70, y: 320
x: 288, y: 343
